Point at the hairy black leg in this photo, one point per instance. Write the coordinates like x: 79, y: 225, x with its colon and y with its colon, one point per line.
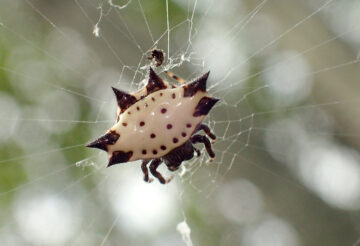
x: 153, y: 166
x: 202, y: 139
x: 145, y: 170
x: 207, y: 130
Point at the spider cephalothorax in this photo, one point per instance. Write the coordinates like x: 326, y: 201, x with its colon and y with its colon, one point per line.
x: 158, y: 123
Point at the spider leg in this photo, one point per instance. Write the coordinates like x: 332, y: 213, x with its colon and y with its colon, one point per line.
x: 202, y: 139
x: 207, y: 130
x: 146, y: 171
x: 153, y: 166
x: 178, y: 79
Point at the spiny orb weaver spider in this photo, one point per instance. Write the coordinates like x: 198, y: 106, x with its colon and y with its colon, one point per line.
x: 159, y: 123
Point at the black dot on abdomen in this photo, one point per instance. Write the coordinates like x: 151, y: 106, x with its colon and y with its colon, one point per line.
x: 175, y: 140
x: 152, y: 135
x: 143, y: 151
x: 124, y: 124
x: 163, y: 147
x: 173, y: 95
x: 169, y: 126
x: 142, y: 123
x: 163, y: 110
x: 183, y: 134
x: 155, y: 152
x: 188, y: 125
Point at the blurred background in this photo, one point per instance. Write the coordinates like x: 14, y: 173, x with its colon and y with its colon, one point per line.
x: 287, y: 167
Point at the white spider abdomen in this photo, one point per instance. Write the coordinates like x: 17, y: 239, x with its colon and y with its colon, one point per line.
x: 158, y: 123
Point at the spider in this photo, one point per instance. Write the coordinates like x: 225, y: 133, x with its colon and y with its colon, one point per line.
x: 157, y: 56
x: 159, y: 123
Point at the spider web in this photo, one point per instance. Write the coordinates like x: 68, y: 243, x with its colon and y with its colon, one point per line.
x: 287, y: 123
